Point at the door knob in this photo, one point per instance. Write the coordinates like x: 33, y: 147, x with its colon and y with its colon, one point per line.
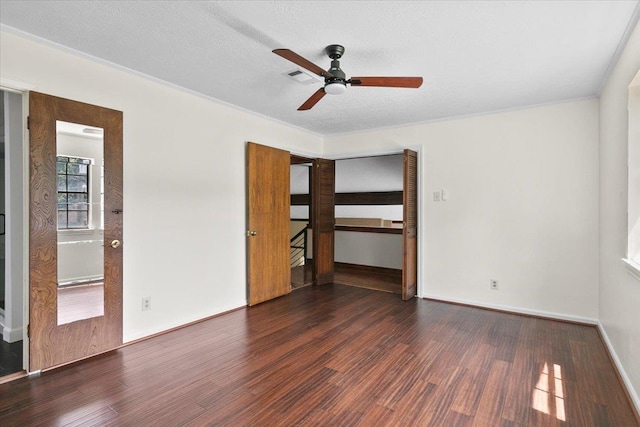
x: 115, y: 243
x: 252, y: 233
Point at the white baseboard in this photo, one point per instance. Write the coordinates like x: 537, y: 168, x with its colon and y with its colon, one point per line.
x: 147, y: 333
x: 518, y: 310
x: 621, y: 371
x: 12, y: 335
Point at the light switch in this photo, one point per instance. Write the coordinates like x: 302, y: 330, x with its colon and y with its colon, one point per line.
x: 436, y: 196
x: 443, y: 197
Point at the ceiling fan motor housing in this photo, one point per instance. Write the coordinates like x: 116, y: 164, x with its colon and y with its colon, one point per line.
x: 338, y: 83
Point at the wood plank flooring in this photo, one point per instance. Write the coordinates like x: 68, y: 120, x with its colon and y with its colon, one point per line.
x: 302, y: 275
x: 362, y: 276
x: 10, y: 357
x: 338, y: 356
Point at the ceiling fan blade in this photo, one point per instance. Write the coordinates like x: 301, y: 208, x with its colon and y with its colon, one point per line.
x: 411, y: 82
x: 313, y: 100
x: 304, y: 63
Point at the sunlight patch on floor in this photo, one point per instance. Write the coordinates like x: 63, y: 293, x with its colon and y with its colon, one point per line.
x: 548, y: 394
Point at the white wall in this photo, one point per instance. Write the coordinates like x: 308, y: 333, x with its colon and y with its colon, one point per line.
x: 184, y: 182
x: 619, y: 290
x: 379, y: 173
x: 373, y: 249
x: 522, y: 205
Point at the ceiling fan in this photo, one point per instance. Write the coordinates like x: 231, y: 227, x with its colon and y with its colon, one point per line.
x: 335, y: 80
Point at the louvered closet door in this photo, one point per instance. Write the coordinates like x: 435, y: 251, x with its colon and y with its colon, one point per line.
x: 410, y: 226
x: 324, y: 219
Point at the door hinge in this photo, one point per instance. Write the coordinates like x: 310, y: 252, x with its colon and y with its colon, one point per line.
x: 28, y: 122
x: 28, y: 331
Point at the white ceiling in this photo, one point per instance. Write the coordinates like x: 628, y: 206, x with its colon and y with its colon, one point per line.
x: 475, y: 56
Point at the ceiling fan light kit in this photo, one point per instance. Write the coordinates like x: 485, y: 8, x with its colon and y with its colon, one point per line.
x: 335, y: 88
x: 335, y: 80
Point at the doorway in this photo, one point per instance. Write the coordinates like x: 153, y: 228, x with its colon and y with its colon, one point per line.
x: 301, y: 241
x: 376, y: 223
x: 12, y: 177
x: 269, y: 222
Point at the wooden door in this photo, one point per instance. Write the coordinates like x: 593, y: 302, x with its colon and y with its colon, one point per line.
x: 324, y: 218
x: 52, y: 344
x: 410, y: 226
x: 268, y: 233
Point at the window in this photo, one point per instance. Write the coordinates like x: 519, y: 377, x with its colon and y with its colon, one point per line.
x: 73, y: 192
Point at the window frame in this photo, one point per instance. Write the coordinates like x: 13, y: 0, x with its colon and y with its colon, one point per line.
x: 632, y: 260
x: 82, y: 161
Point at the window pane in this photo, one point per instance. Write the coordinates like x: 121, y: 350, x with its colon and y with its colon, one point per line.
x: 78, y: 197
x: 78, y: 206
x: 77, y: 183
x: 73, y: 192
x: 77, y: 169
x: 62, y: 219
x: 77, y: 219
x: 62, y: 183
x: 79, y: 160
x: 61, y: 167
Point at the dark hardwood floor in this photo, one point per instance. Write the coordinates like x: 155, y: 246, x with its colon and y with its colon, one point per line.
x: 375, y: 278
x: 302, y: 275
x: 338, y: 355
x: 10, y: 357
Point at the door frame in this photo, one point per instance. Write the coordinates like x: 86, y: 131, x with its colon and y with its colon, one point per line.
x: 23, y: 90
x: 313, y: 221
x: 299, y: 159
x: 420, y: 212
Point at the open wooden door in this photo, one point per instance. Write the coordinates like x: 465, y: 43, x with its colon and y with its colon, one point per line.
x: 268, y: 216
x: 410, y: 226
x: 54, y: 341
x: 324, y: 218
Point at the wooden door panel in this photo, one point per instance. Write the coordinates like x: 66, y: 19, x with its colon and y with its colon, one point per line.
x: 323, y: 205
x: 410, y: 226
x: 50, y: 344
x: 268, y: 187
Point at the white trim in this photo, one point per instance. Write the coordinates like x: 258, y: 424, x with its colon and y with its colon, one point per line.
x: 621, y: 371
x: 15, y: 85
x: 632, y: 268
x: 370, y: 153
x: 621, y: 45
x: 128, y: 339
x: 518, y: 310
x: 12, y: 335
x: 462, y: 116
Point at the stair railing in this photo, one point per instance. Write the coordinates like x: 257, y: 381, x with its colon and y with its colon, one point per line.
x: 298, y: 254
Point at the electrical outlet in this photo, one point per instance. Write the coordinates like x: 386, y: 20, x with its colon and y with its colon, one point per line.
x: 494, y: 284
x: 146, y: 303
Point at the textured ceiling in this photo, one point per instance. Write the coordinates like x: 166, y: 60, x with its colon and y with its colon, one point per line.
x: 475, y: 56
